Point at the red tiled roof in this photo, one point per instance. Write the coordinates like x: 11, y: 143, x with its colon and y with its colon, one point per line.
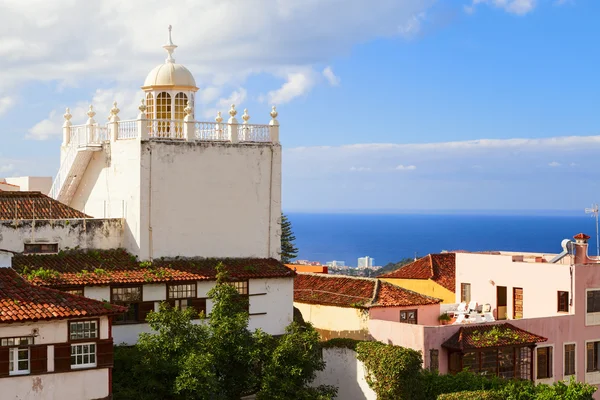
x: 440, y: 268
x: 21, y: 301
x: 27, y: 205
x: 103, y: 267
x: 474, y: 337
x: 348, y: 291
x: 581, y: 236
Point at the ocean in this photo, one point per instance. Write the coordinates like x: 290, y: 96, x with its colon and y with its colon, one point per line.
x: 391, y: 237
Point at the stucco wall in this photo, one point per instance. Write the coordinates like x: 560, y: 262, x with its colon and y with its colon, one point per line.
x: 85, y: 234
x: 211, y: 199
x: 486, y: 272
x: 424, y: 286
x: 110, y: 188
x: 345, y: 372
x: 332, y: 322
x: 426, y: 315
x: 32, y: 183
x: 48, y: 332
x: 80, y: 385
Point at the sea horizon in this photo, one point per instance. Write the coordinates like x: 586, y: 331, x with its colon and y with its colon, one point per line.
x: 390, y: 237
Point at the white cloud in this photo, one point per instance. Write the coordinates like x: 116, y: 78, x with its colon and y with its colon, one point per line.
x: 554, y: 164
x: 297, y: 84
x: 518, y: 7
x: 412, y: 26
x: 6, y: 168
x: 6, y: 103
x: 331, y: 77
x: 405, y: 167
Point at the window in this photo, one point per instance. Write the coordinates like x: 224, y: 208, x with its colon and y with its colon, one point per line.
x: 40, y: 248
x: 83, y: 330
x: 591, y: 356
x: 77, y: 291
x: 544, y: 362
x: 182, y: 296
x: 508, y: 362
x: 593, y: 301
x: 563, y: 301
x: 129, y: 296
x: 434, y: 360
x: 241, y: 286
x: 569, y: 359
x: 83, y: 355
x: 465, y: 292
x: 150, y: 106
x: 18, y: 356
x: 408, y: 316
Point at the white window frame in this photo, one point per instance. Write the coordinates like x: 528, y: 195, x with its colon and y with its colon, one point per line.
x: 84, y: 365
x: 14, y: 363
x: 565, y: 357
x: 84, y: 332
x: 552, y: 378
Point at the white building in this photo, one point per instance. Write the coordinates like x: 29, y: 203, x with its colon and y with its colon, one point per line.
x: 365, y: 262
x: 149, y: 206
x: 336, y: 263
x: 53, y: 345
x: 26, y: 183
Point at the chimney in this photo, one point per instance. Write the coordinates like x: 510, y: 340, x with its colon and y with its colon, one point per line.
x: 6, y: 259
x: 581, y: 248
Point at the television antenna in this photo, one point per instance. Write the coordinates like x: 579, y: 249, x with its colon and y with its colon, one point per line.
x: 594, y: 211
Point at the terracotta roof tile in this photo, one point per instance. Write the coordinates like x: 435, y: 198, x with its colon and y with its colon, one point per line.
x: 474, y: 337
x: 21, y: 301
x: 103, y: 267
x: 440, y: 268
x: 347, y: 291
x: 27, y: 205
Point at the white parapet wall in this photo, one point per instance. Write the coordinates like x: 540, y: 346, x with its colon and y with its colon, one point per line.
x: 345, y: 372
x: 76, y: 385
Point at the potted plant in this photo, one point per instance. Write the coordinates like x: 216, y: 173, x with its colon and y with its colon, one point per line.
x: 444, y: 318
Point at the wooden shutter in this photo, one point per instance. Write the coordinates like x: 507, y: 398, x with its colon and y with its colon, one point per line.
x: 4, y: 367
x: 38, y: 356
x: 199, y: 305
x: 104, y: 353
x: 62, y: 357
x: 144, y: 309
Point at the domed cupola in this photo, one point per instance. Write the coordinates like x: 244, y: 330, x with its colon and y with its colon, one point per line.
x: 168, y: 88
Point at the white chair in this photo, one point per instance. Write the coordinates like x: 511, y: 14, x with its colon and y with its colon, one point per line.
x: 487, y: 313
x: 472, y: 306
x: 460, y: 319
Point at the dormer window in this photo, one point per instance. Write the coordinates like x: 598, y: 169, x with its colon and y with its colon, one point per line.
x: 40, y: 248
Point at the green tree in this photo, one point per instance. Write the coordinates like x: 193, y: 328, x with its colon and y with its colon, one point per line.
x: 217, y: 360
x: 288, y: 250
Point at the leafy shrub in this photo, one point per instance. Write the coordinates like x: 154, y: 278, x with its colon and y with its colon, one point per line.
x: 472, y: 395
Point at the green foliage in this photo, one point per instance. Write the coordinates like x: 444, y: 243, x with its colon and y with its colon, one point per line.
x: 559, y: 390
x: 444, y: 317
x: 393, y: 372
x: 43, y: 274
x: 434, y: 384
x: 494, y: 336
x: 288, y: 250
x: 474, y: 395
x: 394, y: 266
x: 220, y: 359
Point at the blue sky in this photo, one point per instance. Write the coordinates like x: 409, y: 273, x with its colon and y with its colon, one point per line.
x: 388, y: 105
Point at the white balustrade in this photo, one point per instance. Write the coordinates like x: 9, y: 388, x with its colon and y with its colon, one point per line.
x: 100, y: 134
x: 254, y: 133
x: 165, y: 129
x: 127, y: 129
x: 211, y: 131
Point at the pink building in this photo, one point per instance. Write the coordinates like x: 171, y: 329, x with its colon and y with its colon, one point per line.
x: 547, y: 311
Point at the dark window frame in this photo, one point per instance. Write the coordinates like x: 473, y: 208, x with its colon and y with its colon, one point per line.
x: 71, y: 289
x: 562, y: 301
x: 96, y: 320
x: 522, y: 366
x: 463, y: 297
x: 592, y: 301
x: 132, y: 316
x: 171, y: 285
x: 570, y: 359
x: 407, y: 320
x: 594, y: 347
x: 30, y: 248
x: 544, y: 371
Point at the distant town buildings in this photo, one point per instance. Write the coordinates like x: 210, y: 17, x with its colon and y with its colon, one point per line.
x: 365, y: 261
x: 336, y: 263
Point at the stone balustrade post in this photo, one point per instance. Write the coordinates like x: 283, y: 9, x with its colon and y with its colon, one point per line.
x: 90, y: 125
x: 274, y: 126
x: 189, y: 133
x: 245, y: 127
x: 142, y: 122
x: 114, y: 122
x: 233, y: 125
x: 67, y: 128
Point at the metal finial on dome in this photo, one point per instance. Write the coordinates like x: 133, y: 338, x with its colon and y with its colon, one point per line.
x: 245, y: 116
x: 219, y: 119
x: 232, y: 111
x: 170, y: 48
x: 274, y: 112
x: 67, y: 115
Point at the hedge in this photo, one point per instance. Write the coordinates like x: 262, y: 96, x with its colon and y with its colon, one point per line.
x: 471, y: 395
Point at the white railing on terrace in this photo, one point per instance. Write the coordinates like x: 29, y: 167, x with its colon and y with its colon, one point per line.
x: 165, y: 129
x: 254, y: 133
x: 211, y: 131
x: 127, y: 129
x: 67, y: 162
